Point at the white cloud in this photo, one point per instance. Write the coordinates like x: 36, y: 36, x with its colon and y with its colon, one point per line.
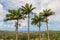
x: 1, y: 7
x: 14, y: 4
x: 2, y: 13
x: 1, y: 24
x: 55, y: 6
x: 40, y: 5
x: 23, y: 23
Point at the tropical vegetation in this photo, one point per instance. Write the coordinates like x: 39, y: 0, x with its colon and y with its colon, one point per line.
x: 24, y: 12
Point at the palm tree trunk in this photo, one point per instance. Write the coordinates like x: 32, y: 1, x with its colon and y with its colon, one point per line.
x: 47, y: 30
x: 39, y: 32
x: 22, y: 35
x: 17, y: 30
x: 28, y: 28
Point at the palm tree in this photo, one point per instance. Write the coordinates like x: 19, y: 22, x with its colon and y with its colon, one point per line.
x: 27, y: 10
x: 15, y: 15
x: 46, y: 14
x: 37, y: 21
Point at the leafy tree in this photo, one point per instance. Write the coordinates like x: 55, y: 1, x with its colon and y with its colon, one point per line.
x: 46, y: 14
x: 37, y: 21
x: 27, y: 10
x: 15, y: 15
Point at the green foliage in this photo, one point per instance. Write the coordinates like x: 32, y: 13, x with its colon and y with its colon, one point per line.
x: 27, y: 9
x: 54, y: 35
x: 38, y: 19
x: 48, y: 12
x: 14, y: 15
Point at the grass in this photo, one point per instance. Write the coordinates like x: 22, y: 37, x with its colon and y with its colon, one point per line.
x: 54, y: 35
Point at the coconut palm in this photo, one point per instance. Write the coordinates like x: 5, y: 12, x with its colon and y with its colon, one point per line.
x: 15, y: 15
x: 27, y: 10
x: 37, y: 21
x: 46, y: 14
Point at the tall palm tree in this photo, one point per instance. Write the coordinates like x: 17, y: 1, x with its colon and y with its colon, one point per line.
x: 15, y: 15
x: 27, y: 10
x: 46, y: 14
x: 37, y: 21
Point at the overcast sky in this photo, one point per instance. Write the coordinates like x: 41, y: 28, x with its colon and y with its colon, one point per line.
x: 54, y: 21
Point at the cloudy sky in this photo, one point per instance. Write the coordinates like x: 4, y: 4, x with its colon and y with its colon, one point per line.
x: 54, y: 21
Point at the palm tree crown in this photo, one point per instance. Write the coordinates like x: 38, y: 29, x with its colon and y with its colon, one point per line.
x: 27, y: 8
x: 47, y: 12
x: 14, y: 15
x: 37, y: 18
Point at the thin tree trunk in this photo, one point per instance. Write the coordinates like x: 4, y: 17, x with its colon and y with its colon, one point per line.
x: 39, y: 31
x: 16, y: 33
x: 22, y: 35
x: 28, y: 28
x: 47, y: 30
x: 17, y: 30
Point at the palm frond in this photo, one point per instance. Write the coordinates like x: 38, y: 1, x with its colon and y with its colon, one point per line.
x: 33, y: 8
x: 14, y: 15
x: 30, y: 5
x: 27, y: 9
x: 48, y: 12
